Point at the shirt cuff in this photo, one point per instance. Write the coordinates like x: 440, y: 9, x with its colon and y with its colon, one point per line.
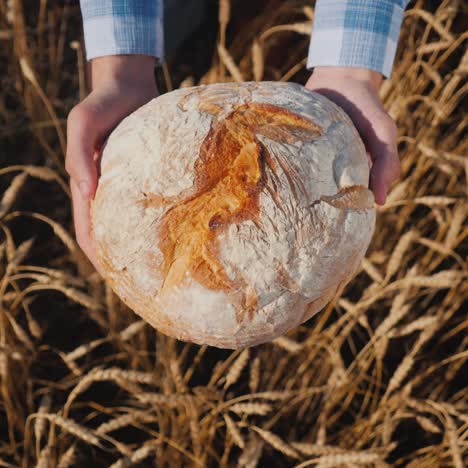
x: 114, y: 27
x: 356, y: 33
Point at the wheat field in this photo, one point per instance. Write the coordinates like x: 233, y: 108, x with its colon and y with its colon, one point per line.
x: 376, y: 379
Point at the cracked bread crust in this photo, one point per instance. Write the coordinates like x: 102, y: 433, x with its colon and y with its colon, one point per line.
x: 228, y: 214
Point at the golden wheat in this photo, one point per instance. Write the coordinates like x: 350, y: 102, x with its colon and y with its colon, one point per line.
x: 84, y: 382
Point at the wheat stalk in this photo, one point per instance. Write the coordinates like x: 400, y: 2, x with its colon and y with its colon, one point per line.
x: 137, y: 456
x: 44, y: 457
x: 124, y: 420
x: 251, y: 408
x: 234, y: 431
x: 276, y: 442
x: 334, y: 383
x: 257, y: 61
x: 40, y: 423
x: 68, y: 458
x: 254, y: 377
x: 11, y: 193
x: 236, y: 368
x: 71, y: 427
x: 340, y: 459
x: 112, y: 374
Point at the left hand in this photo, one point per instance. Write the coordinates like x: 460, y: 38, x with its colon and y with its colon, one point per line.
x: 356, y: 91
x: 121, y: 84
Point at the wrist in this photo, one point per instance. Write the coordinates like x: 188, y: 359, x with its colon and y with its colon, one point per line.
x: 364, y: 75
x: 133, y: 70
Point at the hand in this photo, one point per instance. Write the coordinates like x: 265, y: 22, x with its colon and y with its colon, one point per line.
x: 120, y: 84
x: 356, y: 91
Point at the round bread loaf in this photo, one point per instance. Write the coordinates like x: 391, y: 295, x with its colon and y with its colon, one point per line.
x: 228, y: 214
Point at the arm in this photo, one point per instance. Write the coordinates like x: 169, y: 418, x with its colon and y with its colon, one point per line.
x: 122, y: 40
x: 352, y: 48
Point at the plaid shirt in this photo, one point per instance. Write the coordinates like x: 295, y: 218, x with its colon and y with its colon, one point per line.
x: 354, y: 33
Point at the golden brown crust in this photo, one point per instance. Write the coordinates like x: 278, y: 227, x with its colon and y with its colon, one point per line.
x: 229, y: 175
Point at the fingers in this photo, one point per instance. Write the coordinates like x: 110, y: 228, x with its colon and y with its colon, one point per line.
x: 382, y: 144
x: 82, y: 222
x: 360, y: 99
x: 82, y: 138
x: 88, y: 124
x: 82, y: 168
x: 384, y: 171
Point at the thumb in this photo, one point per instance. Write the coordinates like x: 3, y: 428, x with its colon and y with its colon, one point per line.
x: 82, y: 136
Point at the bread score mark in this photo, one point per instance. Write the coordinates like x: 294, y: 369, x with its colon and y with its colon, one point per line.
x: 353, y: 197
x: 229, y: 176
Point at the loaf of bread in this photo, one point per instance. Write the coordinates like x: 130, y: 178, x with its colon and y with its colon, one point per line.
x: 228, y: 214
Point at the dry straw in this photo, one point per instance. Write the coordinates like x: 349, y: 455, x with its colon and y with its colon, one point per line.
x: 276, y: 442
x: 342, y: 459
x: 251, y: 408
x: 81, y: 375
x: 234, y: 431
x: 68, y: 459
x: 138, y: 456
x: 69, y: 426
x: 237, y: 367
x: 124, y: 420
x: 254, y: 376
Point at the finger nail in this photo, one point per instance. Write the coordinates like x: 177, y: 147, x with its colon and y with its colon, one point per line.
x: 85, y: 189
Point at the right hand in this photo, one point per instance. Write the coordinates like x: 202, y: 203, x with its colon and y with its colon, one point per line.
x: 120, y: 85
x: 356, y: 91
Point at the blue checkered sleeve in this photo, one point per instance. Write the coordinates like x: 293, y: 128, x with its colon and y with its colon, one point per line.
x: 356, y: 33
x: 114, y: 27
